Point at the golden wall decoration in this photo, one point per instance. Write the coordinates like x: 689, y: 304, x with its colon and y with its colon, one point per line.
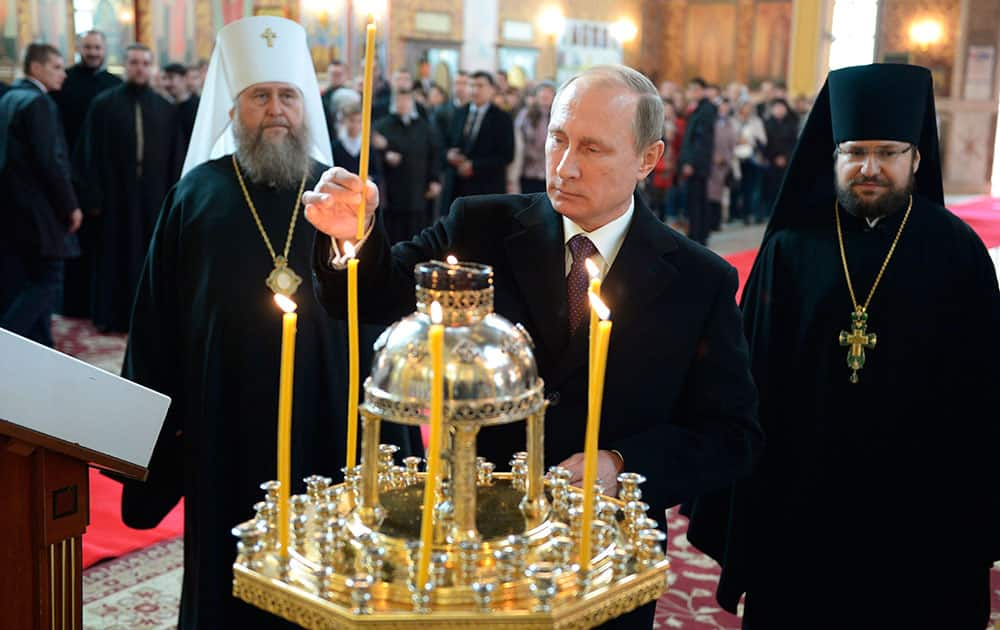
x: 709, y: 41
x: 772, y: 34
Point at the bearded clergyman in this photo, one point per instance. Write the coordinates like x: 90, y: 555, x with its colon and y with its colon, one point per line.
x: 205, y: 329
x: 873, y: 318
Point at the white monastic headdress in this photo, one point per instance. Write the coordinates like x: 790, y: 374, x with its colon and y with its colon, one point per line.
x: 253, y: 50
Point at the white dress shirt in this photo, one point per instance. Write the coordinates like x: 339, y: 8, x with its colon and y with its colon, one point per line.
x: 607, y: 239
x: 39, y: 84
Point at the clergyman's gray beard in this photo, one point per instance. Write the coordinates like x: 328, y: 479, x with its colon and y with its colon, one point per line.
x: 283, y: 163
x: 886, y: 204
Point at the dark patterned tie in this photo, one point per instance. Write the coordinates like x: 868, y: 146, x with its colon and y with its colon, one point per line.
x: 578, y: 281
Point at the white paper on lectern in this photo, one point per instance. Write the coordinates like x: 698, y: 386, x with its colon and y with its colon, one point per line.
x: 58, y: 395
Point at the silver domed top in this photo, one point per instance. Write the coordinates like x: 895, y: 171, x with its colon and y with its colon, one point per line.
x: 490, y: 375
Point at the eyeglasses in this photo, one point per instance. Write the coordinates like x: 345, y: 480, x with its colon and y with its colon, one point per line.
x: 882, y: 155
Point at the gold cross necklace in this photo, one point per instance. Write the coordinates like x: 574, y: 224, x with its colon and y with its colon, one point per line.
x: 859, y: 338
x: 281, y: 279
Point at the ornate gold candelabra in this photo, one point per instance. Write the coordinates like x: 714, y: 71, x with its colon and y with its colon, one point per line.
x: 506, y: 545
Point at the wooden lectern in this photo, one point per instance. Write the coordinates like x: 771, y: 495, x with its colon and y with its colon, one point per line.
x: 44, y: 500
x: 57, y: 416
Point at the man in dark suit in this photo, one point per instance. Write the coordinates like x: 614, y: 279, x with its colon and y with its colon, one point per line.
x: 696, y: 160
x: 337, y: 73
x: 41, y: 211
x: 680, y: 406
x: 481, y: 143
x: 84, y: 81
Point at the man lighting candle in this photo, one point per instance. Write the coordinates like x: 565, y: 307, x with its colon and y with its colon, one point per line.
x: 205, y: 328
x: 679, y: 405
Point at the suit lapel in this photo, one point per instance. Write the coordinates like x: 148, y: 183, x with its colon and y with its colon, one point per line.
x: 537, y: 260
x: 640, y: 272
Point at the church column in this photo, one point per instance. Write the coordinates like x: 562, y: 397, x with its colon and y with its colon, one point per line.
x: 675, y: 16
x: 744, y: 40
x: 804, y: 62
x: 71, y: 30
x: 204, y: 35
x: 481, y: 26
x: 25, y: 25
x: 144, y: 22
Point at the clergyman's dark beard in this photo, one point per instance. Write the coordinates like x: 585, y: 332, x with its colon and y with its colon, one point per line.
x: 893, y: 200
x: 281, y: 163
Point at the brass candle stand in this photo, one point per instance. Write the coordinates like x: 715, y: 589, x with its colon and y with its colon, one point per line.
x: 506, y: 544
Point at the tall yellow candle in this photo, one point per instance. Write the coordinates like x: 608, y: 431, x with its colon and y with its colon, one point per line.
x: 435, y: 342
x: 366, y: 120
x: 595, y: 399
x: 595, y: 289
x: 288, y: 328
x: 353, y: 364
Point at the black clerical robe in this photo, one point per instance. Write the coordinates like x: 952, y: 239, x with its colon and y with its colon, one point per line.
x: 404, y: 209
x: 206, y: 332
x: 125, y: 164
x: 81, y: 86
x: 874, y: 501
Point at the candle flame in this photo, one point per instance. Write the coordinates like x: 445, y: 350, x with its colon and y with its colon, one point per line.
x: 349, y: 250
x: 285, y: 303
x: 372, y: 9
x: 436, y: 313
x: 451, y: 259
x: 591, y: 267
x: 602, y: 311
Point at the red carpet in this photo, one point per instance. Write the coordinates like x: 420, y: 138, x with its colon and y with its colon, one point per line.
x: 107, y: 536
x: 983, y: 215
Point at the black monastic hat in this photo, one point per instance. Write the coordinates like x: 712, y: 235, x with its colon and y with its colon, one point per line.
x: 874, y: 102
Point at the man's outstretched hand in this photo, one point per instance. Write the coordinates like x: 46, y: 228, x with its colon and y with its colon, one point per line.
x: 332, y: 206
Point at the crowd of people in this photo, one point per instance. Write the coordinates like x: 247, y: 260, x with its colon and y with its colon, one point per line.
x: 726, y: 151
x: 112, y: 147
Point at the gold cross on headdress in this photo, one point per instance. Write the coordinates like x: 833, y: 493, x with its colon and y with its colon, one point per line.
x: 269, y: 35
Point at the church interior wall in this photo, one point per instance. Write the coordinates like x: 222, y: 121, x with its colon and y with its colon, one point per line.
x: 959, y: 41
x: 723, y: 40
x: 720, y: 40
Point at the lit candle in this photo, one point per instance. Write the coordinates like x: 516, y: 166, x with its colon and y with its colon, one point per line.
x: 595, y: 290
x: 353, y: 365
x: 596, y: 396
x: 288, y: 322
x: 366, y: 120
x: 435, y: 342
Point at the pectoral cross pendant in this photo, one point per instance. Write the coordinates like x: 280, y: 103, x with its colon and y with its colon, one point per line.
x: 282, y: 279
x: 857, y: 339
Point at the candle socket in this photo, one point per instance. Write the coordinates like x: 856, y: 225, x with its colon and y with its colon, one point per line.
x: 412, y: 464
x: 316, y: 486
x: 439, y: 569
x: 650, y: 547
x: 421, y: 598
x: 483, y: 594
x: 621, y: 560
x: 325, y: 544
x: 373, y: 556
x: 562, y: 552
x: 503, y: 560
x: 360, y: 586
x: 543, y: 576
x: 271, y: 490
x: 629, y: 483
x: 250, y: 548
x: 468, y: 553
